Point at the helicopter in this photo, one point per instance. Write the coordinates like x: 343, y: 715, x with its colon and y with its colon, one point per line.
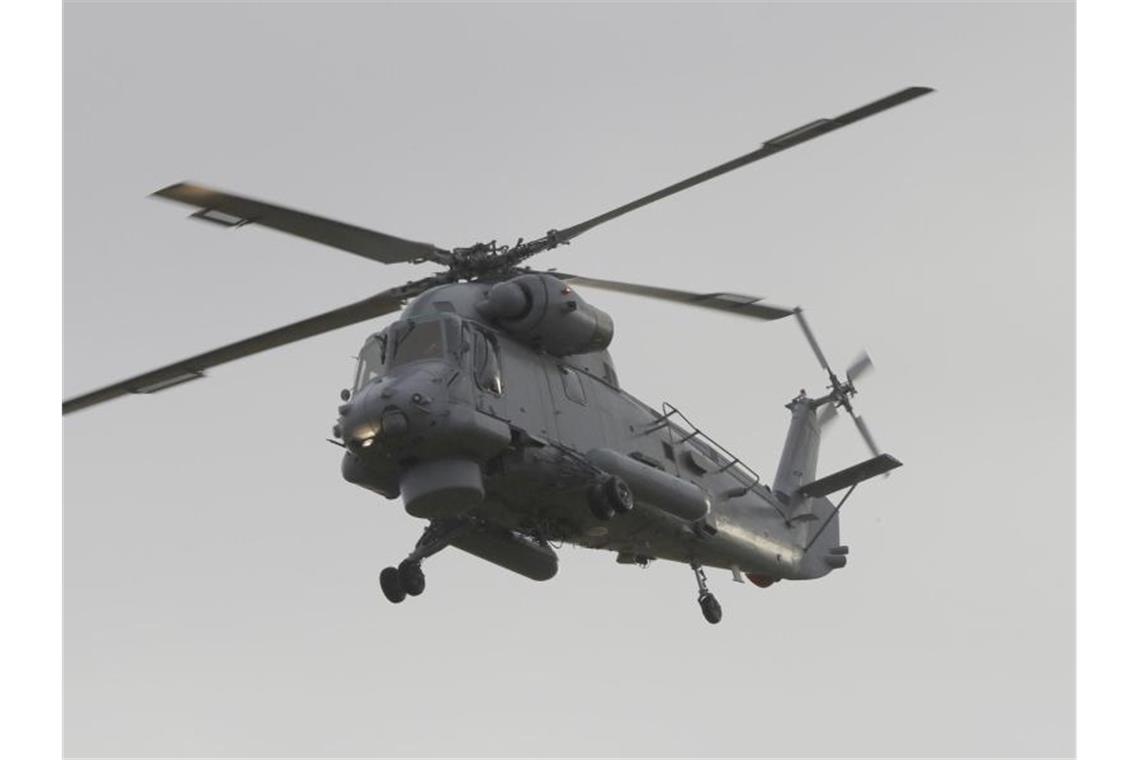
x: 493, y: 409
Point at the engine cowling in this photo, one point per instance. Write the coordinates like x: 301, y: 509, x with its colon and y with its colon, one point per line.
x: 544, y: 311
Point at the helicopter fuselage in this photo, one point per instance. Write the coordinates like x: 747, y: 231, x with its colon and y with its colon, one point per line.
x: 470, y: 424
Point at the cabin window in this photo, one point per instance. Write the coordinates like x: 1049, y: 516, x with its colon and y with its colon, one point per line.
x: 573, y: 386
x: 418, y: 341
x: 486, y: 362
x: 371, y: 360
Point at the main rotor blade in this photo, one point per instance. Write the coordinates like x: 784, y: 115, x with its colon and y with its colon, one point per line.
x: 776, y: 144
x: 733, y: 303
x: 812, y: 342
x: 235, y: 211
x: 196, y: 366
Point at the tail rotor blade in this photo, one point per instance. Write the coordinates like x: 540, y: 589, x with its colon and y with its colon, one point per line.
x: 812, y: 341
x: 866, y: 433
x: 861, y: 365
x: 828, y: 414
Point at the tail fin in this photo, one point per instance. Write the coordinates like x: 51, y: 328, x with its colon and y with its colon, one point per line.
x: 805, y: 497
x: 795, y: 485
x: 798, y: 460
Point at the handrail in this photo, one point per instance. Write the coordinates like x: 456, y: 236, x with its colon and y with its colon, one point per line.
x: 715, y: 451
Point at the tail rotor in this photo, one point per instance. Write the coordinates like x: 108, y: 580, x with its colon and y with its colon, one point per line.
x: 841, y: 390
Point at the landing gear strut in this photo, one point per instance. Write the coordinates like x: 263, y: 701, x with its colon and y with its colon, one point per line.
x: 710, y: 607
x: 407, y: 579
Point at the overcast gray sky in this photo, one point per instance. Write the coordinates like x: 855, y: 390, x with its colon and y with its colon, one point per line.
x: 220, y: 588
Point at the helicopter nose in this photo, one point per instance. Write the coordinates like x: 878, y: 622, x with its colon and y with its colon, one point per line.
x: 369, y: 416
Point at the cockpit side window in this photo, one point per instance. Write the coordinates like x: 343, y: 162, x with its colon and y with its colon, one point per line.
x: 371, y: 361
x: 486, y: 362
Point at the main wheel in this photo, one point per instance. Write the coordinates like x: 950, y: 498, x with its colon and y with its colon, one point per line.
x: 411, y: 577
x: 391, y: 586
x: 710, y: 608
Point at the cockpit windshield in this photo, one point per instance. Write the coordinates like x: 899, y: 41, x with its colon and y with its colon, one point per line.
x: 402, y: 343
x: 417, y: 341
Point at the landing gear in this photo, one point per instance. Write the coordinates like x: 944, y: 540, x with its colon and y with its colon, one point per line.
x: 407, y: 579
x: 610, y: 497
x: 391, y: 586
x: 397, y: 583
x: 710, y: 607
x: 411, y: 577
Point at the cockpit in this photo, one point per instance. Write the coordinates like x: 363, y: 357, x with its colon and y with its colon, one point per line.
x: 402, y: 343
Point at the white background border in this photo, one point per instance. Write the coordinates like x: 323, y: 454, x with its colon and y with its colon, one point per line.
x: 1107, y: 524
x: 30, y: 313
x: 1108, y: 534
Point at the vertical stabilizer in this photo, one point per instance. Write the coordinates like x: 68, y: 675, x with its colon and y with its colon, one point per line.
x: 801, y: 451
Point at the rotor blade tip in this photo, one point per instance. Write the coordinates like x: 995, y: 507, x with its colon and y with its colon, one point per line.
x: 169, y: 189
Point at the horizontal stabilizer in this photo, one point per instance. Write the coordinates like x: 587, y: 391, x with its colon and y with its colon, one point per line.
x: 837, y: 481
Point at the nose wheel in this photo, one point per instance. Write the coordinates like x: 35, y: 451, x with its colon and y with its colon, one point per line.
x: 407, y: 578
x: 411, y: 575
x: 391, y: 586
x: 710, y: 607
x: 403, y: 581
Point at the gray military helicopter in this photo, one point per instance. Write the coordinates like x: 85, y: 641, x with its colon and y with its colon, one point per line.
x: 492, y: 407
